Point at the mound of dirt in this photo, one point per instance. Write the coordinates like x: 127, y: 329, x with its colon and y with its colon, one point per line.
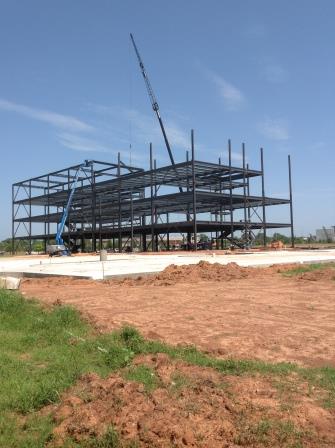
x: 191, y: 406
x: 205, y: 271
x: 319, y: 274
x: 196, y: 272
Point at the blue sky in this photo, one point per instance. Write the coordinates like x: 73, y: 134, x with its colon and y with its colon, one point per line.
x: 256, y: 71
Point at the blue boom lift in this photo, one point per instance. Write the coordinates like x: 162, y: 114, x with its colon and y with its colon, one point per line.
x: 59, y: 248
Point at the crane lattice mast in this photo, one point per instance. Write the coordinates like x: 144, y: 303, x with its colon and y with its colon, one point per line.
x: 154, y: 102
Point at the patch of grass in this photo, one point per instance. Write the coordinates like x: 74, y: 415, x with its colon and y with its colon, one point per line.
x: 323, y: 378
x: 308, y: 268
x: 43, y: 352
x: 192, y: 355
x: 266, y: 431
x: 262, y: 429
x: 31, y: 432
x: 110, y: 439
x: 143, y: 374
x: 179, y: 381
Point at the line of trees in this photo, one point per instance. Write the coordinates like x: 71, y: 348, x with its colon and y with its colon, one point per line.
x: 36, y: 246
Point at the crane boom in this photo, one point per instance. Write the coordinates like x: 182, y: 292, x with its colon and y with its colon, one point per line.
x: 154, y: 102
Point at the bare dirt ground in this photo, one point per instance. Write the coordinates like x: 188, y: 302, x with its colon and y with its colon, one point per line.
x: 230, y: 311
x: 196, y: 407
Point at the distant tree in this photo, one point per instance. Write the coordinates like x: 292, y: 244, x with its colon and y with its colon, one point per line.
x: 38, y: 246
x: 6, y: 245
x: 279, y: 237
x: 258, y: 241
x: 203, y: 238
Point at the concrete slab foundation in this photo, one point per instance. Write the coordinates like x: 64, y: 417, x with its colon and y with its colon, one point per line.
x: 123, y: 265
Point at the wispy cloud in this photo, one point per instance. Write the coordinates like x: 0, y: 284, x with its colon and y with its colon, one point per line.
x: 79, y: 143
x: 317, y: 146
x: 255, y: 30
x: 222, y: 153
x: 274, y: 129
x: 57, y: 120
x: 275, y: 73
x: 147, y: 129
x: 233, y: 97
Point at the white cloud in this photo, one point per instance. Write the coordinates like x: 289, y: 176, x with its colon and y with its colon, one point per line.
x: 147, y: 129
x: 274, y: 129
x: 275, y: 73
x: 255, y: 30
x: 233, y: 97
x: 55, y: 119
x: 78, y: 143
x: 319, y: 145
x: 223, y: 154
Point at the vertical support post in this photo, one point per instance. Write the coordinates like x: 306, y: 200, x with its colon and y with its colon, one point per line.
x: 82, y: 222
x: 45, y: 225
x: 263, y: 198
x: 168, y: 234
x: 13, y: 217
x: 48, y: 210
x: 69, y: 212
x: 194, y: 192
x: 143, y: 221
x: 131, y: 222
x: 248, y: 194
x: 188, y: 214
x: 221, y: 239
x: 152, y: 201
x: 45, y: 228
x: 218, y: 240
x: 155, y: 208
x: 94, y: 246
x: 245, y: 199
x: 100, y: 225
x: 231, y: 195
x: 291, y: 202
x: 30, y: 245
x: 119, y: 203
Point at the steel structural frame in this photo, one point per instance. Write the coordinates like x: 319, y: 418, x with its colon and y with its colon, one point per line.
x: 118, y: 201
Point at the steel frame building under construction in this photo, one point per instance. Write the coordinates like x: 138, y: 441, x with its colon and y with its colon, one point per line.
x: 140, y: 209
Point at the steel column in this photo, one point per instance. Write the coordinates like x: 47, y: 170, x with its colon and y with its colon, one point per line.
x: 152, y: 201
x: 263, y: 198
x: 13, y: 217
x: 119, y: 202
x: 131, y: 221
x: 231, y: 195
x: 291, y: 202
x: 244, y: 197
x: 194, y: 192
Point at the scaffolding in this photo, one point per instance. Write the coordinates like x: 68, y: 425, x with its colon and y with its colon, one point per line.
x: 134, y: 208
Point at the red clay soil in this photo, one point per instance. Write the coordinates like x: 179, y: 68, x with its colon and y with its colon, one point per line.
x: 192, y: 273
x: 229, y: 311
x: 194, y: 407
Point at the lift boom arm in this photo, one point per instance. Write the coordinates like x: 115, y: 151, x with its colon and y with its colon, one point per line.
x: 60, y: 227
